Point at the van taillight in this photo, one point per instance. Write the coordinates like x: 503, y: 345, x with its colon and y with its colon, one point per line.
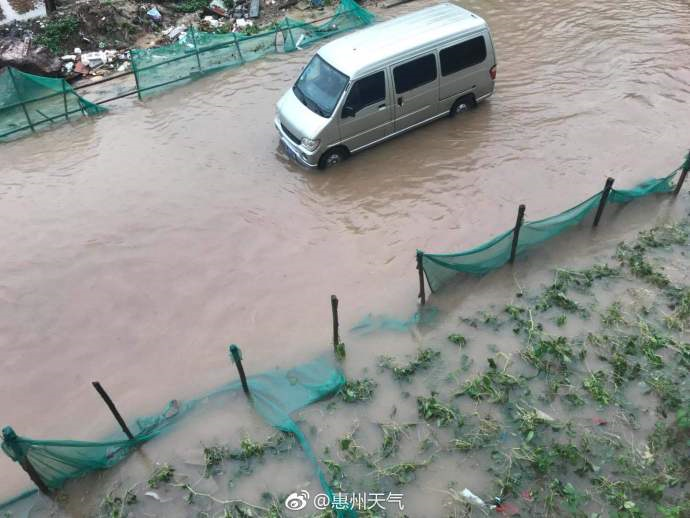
x: 492, y: 72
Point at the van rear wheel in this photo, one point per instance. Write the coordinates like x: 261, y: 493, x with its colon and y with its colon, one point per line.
x: 462, y: 104
x: 332, y: 157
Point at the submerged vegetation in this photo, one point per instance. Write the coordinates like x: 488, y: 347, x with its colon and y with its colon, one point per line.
x: 582, y: 409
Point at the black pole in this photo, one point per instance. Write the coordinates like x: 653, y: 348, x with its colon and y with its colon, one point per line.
x: 602, y: 203
x: 334, y: 308
x: 9, y: 438
x: 516, y: 231
x: 112, y: 408
x: 420, y: 269
x: 237, y: 358
x: 683, y: 174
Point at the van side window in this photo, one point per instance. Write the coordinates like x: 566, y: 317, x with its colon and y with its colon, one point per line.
x: 366, y: 91
x: 412, y: 74
x: 462, y: 55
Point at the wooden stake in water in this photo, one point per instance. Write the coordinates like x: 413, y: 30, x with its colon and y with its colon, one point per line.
x: 683, y: 174
x: 237, y: 358
x: 516, y: 232
x: 604, y: 198
x: 112, y: 408
x: 336, y: 324
x: 420, y: 269
x: 9, y: 438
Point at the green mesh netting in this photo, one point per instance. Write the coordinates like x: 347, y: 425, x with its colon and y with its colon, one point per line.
x: 274, y: 395
x: 371, y: 323
x: 655, y: 185
x: 29, y: 103
x: 439, y: 268
x: 198, y: 53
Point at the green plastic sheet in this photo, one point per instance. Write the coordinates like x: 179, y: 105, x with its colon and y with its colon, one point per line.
x: 440, y: 268
x: 29, y: 103
x: 275, y: 395
x: 200, y: 53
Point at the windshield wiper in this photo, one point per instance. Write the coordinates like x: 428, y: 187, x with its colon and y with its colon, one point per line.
x: 318, y: 109
x: 306, y: 101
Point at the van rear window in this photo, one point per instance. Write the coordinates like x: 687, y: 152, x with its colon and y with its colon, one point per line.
x: 462, y: 55
x: 413, y: 74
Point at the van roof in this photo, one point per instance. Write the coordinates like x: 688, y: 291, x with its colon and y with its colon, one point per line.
x: 369, y: 48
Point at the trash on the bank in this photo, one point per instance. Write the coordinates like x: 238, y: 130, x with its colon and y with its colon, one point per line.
x: 471, y: 498
x: 154, y: 14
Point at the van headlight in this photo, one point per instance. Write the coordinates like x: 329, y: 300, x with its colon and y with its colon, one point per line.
x: 309, y: 144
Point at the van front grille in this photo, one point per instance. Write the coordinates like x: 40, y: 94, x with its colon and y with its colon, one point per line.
x: 290, y: 134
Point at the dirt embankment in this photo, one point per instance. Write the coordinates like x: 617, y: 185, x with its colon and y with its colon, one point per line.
x: 118, y: 25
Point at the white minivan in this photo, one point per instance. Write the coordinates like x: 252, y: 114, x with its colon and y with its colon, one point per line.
x: 376, y: 83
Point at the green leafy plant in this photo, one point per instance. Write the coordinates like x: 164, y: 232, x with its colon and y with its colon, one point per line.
x: 431, y: 409
x: 595, y: 385
x: 191, y: 6
x: 458, y: 340
x: 339, y: 350
x: 57, y: 31
x: 357, y: 390
x: 423, y: 360
x: 161, y: 474
x: 494, y: 385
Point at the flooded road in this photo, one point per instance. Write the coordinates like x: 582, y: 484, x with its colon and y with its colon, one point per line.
x: 137, y: 246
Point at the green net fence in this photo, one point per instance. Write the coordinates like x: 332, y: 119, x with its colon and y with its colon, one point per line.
x: 275, y: 395
x: 29, y: 103
x: 440, y: 268
x: 199, y: 53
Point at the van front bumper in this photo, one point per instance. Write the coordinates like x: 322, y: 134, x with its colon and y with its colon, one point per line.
x: 301, y: 155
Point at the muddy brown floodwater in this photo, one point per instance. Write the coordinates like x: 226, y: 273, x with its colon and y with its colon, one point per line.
x: 138, y: 245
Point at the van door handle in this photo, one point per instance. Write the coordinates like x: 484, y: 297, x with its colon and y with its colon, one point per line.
x: 382, y: 106
x: 400, y: 101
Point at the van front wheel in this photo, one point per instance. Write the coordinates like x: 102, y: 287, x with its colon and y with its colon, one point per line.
x: 463, y: 104
x: 332, y: 157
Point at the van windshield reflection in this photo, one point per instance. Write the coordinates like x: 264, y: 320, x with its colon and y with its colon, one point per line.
x: 320, y: 86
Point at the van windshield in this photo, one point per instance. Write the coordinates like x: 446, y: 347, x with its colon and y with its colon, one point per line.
x: 320, y: 86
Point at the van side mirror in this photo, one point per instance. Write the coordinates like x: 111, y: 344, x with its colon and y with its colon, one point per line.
x: 348, y: 111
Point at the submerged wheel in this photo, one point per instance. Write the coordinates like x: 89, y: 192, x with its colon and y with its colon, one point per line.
x: 332, y: 157
x: 463, y: 104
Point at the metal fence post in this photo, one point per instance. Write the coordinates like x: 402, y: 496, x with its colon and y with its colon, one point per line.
x: 604, y: 198
x: 132, y: 54
x: 237, y: 44
x: 292, y: 38
x: 21, y: 101
x: 516, y: 232
x: 196, y: 48
x: 64, y: 98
